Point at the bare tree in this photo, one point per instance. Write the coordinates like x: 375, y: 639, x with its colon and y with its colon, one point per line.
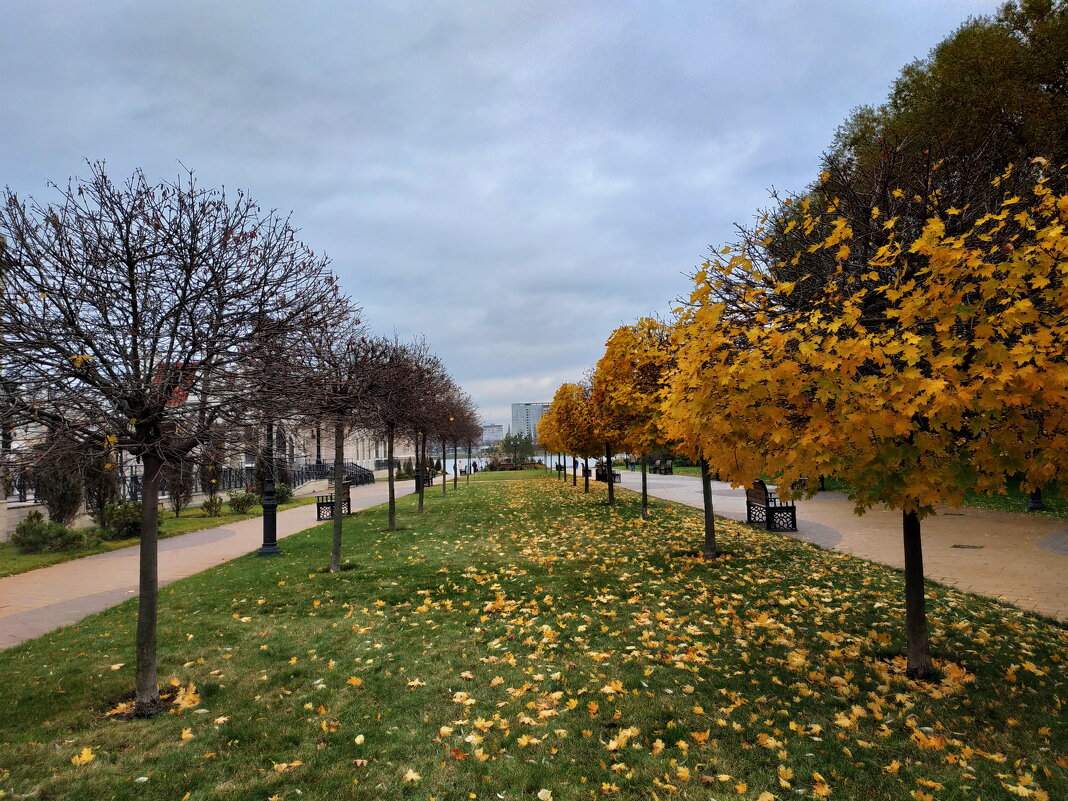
x: 391, y: 401
x: 129, y: 318
x: 423, y: 413
x: 339, y: 387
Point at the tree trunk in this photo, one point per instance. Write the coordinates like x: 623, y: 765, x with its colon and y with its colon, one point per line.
x: 586, y: 474
x: 918, y: 663
x: 608, y: 475
x: 455, y: 466
x: 339, y: 481
x: 574, y: 471
x: 468, y: 463
x: 444, y: 482
x: 425, y: 468
x: 146, y: 699
x: 1034, y: 502
x: 709, y: 552
x: 645, y: 489
x: 389, y: 479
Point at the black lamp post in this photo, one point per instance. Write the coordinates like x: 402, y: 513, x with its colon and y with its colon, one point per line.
x: 270, y: 502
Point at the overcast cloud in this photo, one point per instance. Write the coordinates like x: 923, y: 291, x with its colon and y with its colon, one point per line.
x: 512, y: 179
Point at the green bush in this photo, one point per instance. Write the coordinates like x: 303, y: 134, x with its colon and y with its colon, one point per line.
x: 37, y: 535
x: 242, y: 502
x: 122, y: 521
x: 212, y: 506
x: 283, y: 493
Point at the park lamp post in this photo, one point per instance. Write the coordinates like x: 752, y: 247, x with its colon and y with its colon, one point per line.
x: 270, y: 501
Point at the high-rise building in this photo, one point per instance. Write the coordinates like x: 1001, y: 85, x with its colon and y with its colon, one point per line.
x: 525, y: 417
x: 492, y: 433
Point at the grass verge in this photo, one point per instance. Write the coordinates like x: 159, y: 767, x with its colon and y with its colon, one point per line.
x: 13, y: 560
x: 521, y: 637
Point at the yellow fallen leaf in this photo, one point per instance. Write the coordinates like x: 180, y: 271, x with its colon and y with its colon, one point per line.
x: 355, y: 682
x: 84, y: 757
x: 187, y: 734
x: 545, y: 795
x: 411, y: 776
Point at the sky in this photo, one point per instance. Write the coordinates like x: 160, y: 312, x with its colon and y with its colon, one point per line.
x: 512, y: 180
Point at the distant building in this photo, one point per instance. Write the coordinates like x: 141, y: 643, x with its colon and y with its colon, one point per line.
x: 525, y: 417
x: 492, y: 433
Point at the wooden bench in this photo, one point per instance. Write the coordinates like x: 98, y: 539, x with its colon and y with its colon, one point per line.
x: 763, y: 507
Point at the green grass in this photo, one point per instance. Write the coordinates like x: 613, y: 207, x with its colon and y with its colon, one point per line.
x: 503, y: 475
x: 521, y: 636
x: 13, y: 561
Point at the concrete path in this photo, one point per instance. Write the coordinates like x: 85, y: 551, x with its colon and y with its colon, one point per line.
x: 34, y: 603
x: 1019, y: 558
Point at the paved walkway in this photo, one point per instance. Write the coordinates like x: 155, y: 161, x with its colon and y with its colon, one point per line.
x: 34, y: 603
x: 1018, y: 558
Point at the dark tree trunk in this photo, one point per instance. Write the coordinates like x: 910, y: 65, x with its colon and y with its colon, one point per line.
x: 1034, y: 503
x: 574, y: 471
x: 425, y: 469
x: 586, y: 474
x: 455, y: 466
x: 709, y: 552
x: 444, y: 482
x: 418, y: 464
x: 608, y: 475
x: 645, y: 489
x: 918, y: 663
x: 318, y: 445
x: 146, y: 699
x: 339, y: 482
x: 389, y: 479
x: 468, y: 463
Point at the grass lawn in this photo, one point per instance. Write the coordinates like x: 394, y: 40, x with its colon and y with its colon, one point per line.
x: 502, y: 475
x: 520, y: 637
x: 13, y: 561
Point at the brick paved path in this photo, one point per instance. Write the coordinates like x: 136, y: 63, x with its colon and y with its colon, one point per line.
x: 1021, y: 558
x: 34, y: 603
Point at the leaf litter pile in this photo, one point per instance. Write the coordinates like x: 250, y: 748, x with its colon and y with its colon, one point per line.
x: 521, y: 640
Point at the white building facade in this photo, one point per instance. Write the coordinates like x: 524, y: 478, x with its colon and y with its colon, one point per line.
x: 525, y: 417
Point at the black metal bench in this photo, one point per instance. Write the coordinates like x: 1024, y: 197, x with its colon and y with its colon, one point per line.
x: 763, y: 507
x: 324, y: 506
x: 656, y: 466
x: 602, y: 475
x: 667, y: 469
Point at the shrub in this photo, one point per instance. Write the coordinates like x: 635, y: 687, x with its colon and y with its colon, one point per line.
x: 37, y: 535
x: 283, y: 493
x: 122, y: 521
x: 179, y: 480
x: 102, y: 486
x: 242, y: 502
x: 212, y: 506
x: 59, y: 480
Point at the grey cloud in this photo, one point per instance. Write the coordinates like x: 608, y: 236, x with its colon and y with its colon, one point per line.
x: 512, y: 179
